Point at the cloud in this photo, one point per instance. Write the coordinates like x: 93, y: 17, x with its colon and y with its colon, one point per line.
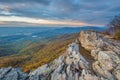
x: 7, y: 13
x: 45, y: 2
x: 1, y: 22
x: 95, y: 11
x: 38, y: 21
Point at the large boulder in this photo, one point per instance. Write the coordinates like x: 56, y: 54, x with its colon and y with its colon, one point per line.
x: 102, y: 72
x: 107, y: 65
x: 91, y: 40
x: 108, y: 60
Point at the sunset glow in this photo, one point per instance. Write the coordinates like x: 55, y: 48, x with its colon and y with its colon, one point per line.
x: 38, y: 21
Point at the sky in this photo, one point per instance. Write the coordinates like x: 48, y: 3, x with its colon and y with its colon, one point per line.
x: 58, y: 12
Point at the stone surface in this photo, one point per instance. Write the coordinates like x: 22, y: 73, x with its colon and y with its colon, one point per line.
x: 91, y: 40
x: 94, y: 54
x: 106, y: 54
x: 108, y: 60
x: 102, y: 72
x: 12, y: 74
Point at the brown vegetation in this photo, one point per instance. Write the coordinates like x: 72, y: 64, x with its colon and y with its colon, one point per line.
x: 37, y: 54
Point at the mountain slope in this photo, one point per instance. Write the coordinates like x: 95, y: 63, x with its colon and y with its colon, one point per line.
x: 38, y: 53
x: 74, y: 66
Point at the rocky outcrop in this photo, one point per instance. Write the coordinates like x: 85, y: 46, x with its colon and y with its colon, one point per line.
x: 12, y: 74
x: 73, y: 65
x: 106, y: 54
x: 91, y: 40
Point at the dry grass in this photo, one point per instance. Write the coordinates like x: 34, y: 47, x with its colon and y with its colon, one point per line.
x: 38, y: 54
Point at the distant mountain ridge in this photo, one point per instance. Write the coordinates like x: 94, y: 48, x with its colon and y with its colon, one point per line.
x: 31, y: 30
x: 19, y: 36
x: 39, y: 33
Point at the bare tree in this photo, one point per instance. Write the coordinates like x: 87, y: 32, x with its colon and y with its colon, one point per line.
x: 114, y: 24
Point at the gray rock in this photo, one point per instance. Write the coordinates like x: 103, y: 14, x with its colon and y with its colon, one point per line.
x: 12, y: 74
x: 42, y: 73
x: 4, y: 71
x: 85, y: 75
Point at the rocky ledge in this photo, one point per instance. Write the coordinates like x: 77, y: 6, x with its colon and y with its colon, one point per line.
x: 74, y: 66
x: 106, y: 54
